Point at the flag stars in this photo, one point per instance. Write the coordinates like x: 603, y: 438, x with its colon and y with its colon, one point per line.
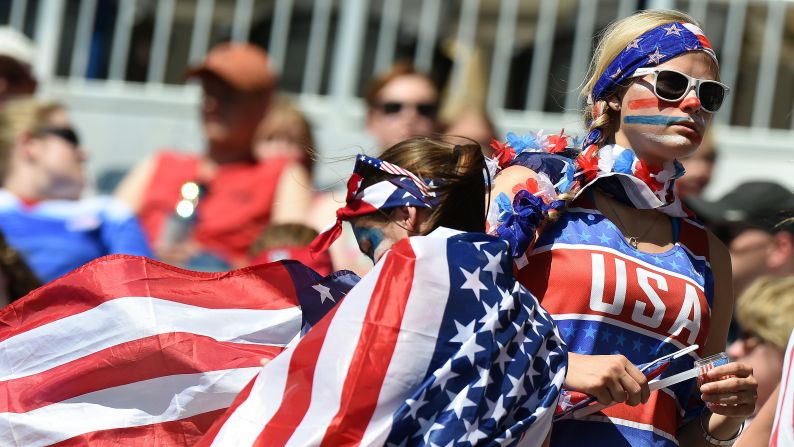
x: 415, y: 405
x: 517, y: 389
x: 636, y: 345
x: 590, y: 332
x: 473, y: 282
x: 634, y: 44
x: 655, y: 57
x: 464, y: 333
x: 620, y: 339
x: 617, y: 73
x: 672, y: 30
x: 494, y: 266
x: 460, y: 401
x: 325, y: 293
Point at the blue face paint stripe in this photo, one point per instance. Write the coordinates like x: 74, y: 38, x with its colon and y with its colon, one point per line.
x: 373, y: 235
x: 654, y: 120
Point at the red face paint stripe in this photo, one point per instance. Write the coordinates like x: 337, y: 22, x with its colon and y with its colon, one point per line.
x: 643, y: 103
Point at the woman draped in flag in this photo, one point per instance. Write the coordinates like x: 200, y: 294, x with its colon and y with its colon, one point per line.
x: 600, y: 238
x: 437, y: 345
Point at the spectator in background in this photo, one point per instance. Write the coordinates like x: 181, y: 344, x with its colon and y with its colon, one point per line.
x: 290, y: 241
x: 402, y: 103
x: 471, y: 122
x: 285, y: 133
x: 748, y: 220
x: 230, y: 197
x: 41, y: 213
x: 765, y: 313
x: 16, y: 58
x: 699, y: 168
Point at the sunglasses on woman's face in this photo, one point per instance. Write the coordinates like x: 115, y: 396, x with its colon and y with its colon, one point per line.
x: 65, y: 133
x: 427, y: 110
x: 673, y: 86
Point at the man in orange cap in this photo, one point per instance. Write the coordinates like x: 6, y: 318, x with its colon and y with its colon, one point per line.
x: 204, y: 211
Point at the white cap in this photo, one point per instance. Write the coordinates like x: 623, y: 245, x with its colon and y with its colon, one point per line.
x: 17, y: 46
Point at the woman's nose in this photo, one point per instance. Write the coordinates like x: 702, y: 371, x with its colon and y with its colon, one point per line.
x: 736, y: 349
x: 691, y: 102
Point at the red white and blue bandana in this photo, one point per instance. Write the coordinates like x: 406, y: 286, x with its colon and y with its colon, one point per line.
x: 652, y: 48
x: 402, y: 188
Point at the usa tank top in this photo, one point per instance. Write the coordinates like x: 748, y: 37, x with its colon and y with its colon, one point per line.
x: 610, y: 298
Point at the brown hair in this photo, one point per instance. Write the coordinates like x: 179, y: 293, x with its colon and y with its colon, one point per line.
x: 283, y: 235
x: 399, y: 69
x: 284, y: 121
x: 20, y: 278
x: 457, y: 172
x: 615, y: 38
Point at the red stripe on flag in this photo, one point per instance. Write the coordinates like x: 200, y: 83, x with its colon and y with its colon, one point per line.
x: 655, y: 412
x: 265, y: 286
x: 377, y: 340
x: 703, y: 41
x: 180, y: 433
x: 297, y: 394
x: 142, y: 359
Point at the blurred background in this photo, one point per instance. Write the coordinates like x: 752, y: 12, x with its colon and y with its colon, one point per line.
x: 119, y: 67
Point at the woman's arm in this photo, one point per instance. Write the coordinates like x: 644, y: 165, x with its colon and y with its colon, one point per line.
x: 761, y: 429
x: 732, y: 399
x: 293, y: 195
x: 132, y: 187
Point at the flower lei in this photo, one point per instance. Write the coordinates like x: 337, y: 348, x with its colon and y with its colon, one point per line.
x: 539, y: 199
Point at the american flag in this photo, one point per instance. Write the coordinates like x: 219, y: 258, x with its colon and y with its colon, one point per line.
x: 438, y: 345
x: 130, y: 351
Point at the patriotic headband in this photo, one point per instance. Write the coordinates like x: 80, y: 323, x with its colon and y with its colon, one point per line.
x: 403, y: 188
x: 650, y: 49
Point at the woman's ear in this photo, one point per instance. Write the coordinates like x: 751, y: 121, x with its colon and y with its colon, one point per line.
x: 25, y: 146
x: 614, y: 102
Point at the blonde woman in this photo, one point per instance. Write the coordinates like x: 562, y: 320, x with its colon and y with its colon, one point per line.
x: 628, y: 277
x: 41, y: 213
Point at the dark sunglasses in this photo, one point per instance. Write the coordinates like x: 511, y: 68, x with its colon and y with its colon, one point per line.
x: 65, y: 133
x: 428, y: 110
x: 673, y: 86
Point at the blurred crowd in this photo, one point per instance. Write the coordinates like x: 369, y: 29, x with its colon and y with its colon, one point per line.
x: 247, y: 197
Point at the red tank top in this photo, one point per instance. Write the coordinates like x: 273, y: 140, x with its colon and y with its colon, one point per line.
x: 234, y: 210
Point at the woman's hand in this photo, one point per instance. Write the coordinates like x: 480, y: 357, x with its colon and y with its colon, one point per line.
x: 608, y: 378
x: 734, y: 391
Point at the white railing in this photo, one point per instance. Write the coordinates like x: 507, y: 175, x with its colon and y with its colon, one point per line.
x: 350, y: 40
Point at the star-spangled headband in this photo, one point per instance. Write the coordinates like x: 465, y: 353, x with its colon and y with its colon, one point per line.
x: 402, y: 188
x: 652, y: 48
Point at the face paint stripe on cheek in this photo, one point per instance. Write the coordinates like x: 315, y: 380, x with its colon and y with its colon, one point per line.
x: 649, y: 103
x: 653, y: 120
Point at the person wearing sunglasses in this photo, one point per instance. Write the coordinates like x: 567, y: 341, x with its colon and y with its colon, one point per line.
x: 402, y: 103
x: 42, y: 214
x: 613, y: 255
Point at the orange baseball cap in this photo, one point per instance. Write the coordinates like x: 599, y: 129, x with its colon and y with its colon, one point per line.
x: 244, y: 66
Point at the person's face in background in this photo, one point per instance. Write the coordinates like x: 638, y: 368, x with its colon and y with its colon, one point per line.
x: 699, y: 168
x: 472, y: 123
x: 283, y: 134
x: 749, y: 250
x: 229, y: 116
x: 765, y: 359
x: 407, y: 106
x: 59, y: 160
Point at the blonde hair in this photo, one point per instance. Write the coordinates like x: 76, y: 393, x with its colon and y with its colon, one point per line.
x: 18, y: 116
x: 766, y: 309
x: 614, y: 39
